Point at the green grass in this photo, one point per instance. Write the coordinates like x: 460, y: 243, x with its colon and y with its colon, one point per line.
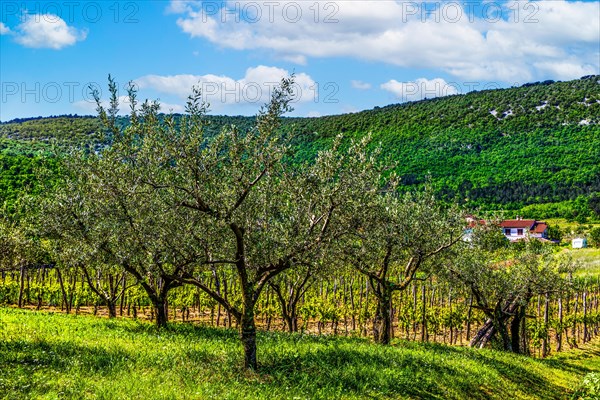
x: 570, y: 227
x: 589, y: 258
x: 49, y: 356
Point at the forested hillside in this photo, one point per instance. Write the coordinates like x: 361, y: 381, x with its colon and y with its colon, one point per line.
x: 538, y: 143
x: 498, y: 149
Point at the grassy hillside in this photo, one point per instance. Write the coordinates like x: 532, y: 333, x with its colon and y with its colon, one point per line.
x: 589, y: 259
x: 499, y: 149
x: 47, y: 356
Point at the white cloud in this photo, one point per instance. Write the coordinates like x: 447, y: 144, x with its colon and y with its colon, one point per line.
x: 360, y: 85
x: 179, y: 6
x: 419, y: 89
x: 567, y: 69
x: 296, y: 59
x: 468, y: 46
x: 47, y: 31
x: 4, y: 30
x: 313, y: 114
x: 219, y: 90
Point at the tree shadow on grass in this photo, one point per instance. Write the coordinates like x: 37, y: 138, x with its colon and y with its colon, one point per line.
x: 519, y: 370
x: 413, y: 373
x: 521, y: 376
x: 21, y: 360
x: 174, y: 330
x: 569, y: 363
x: 560, y: 363
x: 62, y: 355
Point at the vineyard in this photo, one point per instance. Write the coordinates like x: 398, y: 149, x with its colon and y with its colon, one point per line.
x: 428, y: 311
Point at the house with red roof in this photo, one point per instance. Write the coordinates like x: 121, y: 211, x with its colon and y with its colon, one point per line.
x: 519, y: 229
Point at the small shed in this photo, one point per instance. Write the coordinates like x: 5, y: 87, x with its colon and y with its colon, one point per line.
x: 579, y: 243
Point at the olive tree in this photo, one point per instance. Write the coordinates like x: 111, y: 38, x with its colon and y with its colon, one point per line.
x: 178, y: 203
x: 101, y: 215
x: 20, y: 250
x: 503, y: 278
x: 269, y: 217
x: 399, y: 236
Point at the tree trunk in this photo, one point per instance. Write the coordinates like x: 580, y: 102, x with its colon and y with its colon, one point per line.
x: 414, y: 311
x: 21, y: 285
x: 160, y: 311
x: 248, y: 333
x: 451, y: 328
x: 545, y: 345
x: 289, y: 308
x: 112, y: 309
x: 353, y: 316
x: 586, y: 333
x: 469, y: 313
x: 574, y: 326
x: 516, y: 329
x: 62, y: 289
x: 559, y: 329
x: 500, y: 327
x: 382, y: 324
x: 483, y: 335
x: 291, y: 322
x: 423, y: 315
x: 28, y: 289
x: 122, y: 303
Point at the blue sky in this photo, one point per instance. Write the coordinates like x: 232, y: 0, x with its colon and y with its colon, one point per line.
x: 347, y: 55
